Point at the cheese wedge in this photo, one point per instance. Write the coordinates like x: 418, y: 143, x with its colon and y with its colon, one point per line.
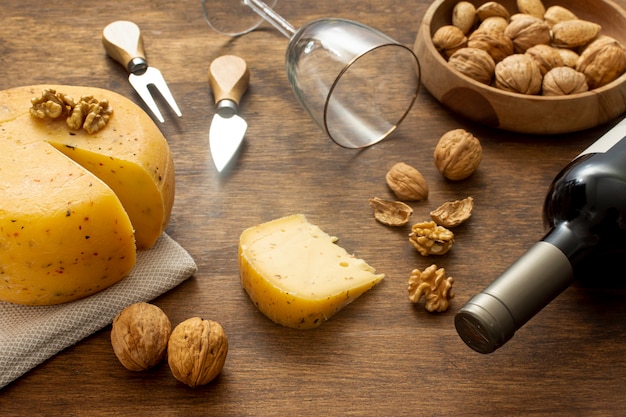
x: 75, y: 207
x: 297, y: 275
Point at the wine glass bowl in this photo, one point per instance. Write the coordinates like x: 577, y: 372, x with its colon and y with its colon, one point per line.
x: 534, y: 114
x: 354, y: 81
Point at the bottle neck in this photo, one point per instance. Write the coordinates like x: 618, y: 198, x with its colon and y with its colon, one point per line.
x: 489, y: 319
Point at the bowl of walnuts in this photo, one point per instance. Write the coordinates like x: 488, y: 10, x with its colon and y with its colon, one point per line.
x: 527, y: 66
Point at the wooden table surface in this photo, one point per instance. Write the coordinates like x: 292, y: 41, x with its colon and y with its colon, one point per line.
x: 381, y: 355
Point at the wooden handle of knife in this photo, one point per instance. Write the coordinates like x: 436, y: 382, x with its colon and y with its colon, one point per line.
x: 122, y: 40
x: 229, y: 77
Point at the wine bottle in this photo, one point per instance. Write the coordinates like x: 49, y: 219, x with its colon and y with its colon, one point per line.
x: 585, y: 216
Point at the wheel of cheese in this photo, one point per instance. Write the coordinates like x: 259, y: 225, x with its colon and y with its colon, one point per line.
x: 75, y: 207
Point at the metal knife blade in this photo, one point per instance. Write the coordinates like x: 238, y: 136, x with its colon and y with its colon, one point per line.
x: 229, y: 77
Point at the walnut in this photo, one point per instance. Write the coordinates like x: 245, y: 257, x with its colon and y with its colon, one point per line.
x: 556, y: 14
x: 448, y: 39
x: 526, y: 31
x: 430, y: 239
x: 139, y: 336
x: 491, y: 9
x: 434, y: 286
x: 391, y: 213
x: 564, y: 81
x: 474, y: 63
x: 531, y: 7
x: 51, y: 104
x: 569, y: 57
x: 494, y: 42
x: 197, y: 351
x: 407, y: 182
x: 574, y: 33
x: 602, y: 61
x: 453, y: 213
x: 88, y: 113
x: 494, y: 23
x: 464, y: 16
x: 545, y: 56
x: 457, y: 154
x: 518, y: 73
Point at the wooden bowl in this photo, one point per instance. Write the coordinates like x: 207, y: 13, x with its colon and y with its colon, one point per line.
x: 518, y: 112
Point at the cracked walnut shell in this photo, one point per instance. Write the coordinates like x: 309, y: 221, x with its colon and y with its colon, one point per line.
x: 433, y: 285
x: 429, y: 239
x: 407, y: 182
x: 139, y: 336
x: 197, y: 351
x: 391, y: 213
x: 453, y: 213
x: 457, y: 154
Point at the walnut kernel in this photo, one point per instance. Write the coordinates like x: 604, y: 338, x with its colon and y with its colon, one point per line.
x: 139, y: 336
x: 197, y: 351
x: 453, y: 213
x: 457, y: 154
x: 429, y: 239
x: 391, y: 213
x: 88, y: 113
x: 407, y: 182
x: 433, y: 285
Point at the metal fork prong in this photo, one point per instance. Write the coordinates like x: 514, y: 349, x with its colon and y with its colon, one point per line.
x: 140, y: 84
x: 156, y: 79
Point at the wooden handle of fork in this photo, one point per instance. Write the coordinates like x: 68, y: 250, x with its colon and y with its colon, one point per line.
x: 123, y: 42
x: 229, y: 77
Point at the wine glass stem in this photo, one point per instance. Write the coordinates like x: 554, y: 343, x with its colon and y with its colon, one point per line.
x: 271, y: 16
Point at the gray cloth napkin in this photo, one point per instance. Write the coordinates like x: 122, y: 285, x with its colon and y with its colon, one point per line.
x: 30, y: 335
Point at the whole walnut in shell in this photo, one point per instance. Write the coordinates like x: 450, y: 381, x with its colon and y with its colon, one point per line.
x: 518, y: 73
x: 197, y: 351
x: 563, y: 81
x: 407, y: 182
x: 448, y: 39
x: 526, y: 31
x: 545, y: 56
x: 474, y: 63
x: 139, y: 336
x: 457, y: 154
x: 602, y: 61
x: 494, y: 42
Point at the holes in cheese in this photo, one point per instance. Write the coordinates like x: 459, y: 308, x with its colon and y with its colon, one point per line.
x: 297, y: 275
x: 75, y: 207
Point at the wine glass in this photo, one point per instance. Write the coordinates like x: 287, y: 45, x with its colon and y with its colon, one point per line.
x: 356, y: 83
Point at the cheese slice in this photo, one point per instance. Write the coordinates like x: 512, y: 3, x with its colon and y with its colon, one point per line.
x: 75, y: 207
x: 297, y: 275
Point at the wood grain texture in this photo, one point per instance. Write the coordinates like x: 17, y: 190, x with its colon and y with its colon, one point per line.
x: 381, y: 355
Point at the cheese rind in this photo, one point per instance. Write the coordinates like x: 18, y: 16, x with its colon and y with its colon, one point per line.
x: 75, y: 207
x: 297, y: 275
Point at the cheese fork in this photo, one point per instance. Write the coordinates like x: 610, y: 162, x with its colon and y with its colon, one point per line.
x: 123, y: 42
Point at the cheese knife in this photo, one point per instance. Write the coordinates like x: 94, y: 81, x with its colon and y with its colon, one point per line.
x: 228, y: 77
